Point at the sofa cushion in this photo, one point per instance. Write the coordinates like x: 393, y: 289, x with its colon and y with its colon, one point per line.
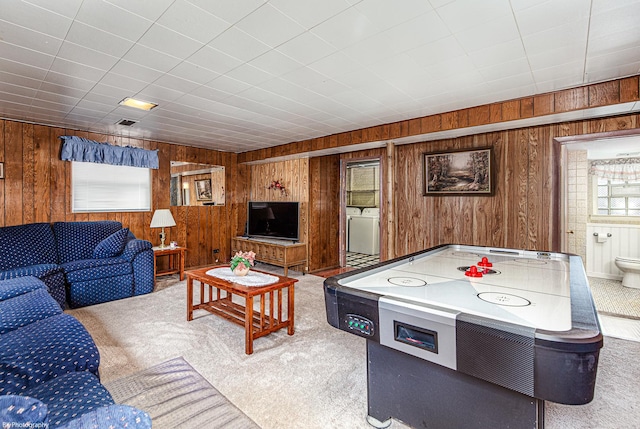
x: 43, y: 350
x: 77, y: 240
x: 97, y: 291
x: 26, y: 245
x: 27, y: 308
x: 18, y: 286
x: 50, y: 274
x: 89, y: 269
x: 71, y: 395
x: 20, y: 411
x: 113, y: 245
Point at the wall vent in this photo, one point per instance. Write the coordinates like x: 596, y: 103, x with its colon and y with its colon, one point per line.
x: 126, y: 122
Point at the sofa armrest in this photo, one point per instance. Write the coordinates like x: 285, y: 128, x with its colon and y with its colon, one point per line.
x: 111, y: 417
x: 22, y: 411
x: 134, y: 247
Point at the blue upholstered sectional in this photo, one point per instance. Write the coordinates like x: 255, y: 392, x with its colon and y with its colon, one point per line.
x: 81, y: 263
x: 49, y: 366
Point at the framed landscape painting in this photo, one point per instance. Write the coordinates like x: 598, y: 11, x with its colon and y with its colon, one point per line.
x: 463, y: 172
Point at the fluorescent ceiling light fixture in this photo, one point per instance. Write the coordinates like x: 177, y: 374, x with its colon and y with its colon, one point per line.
x: 138, y: 104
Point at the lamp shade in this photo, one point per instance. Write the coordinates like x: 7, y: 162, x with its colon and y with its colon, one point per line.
x: 162, y: 218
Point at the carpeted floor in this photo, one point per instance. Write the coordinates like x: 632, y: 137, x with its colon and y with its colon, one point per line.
x: 612, y: 298
x: 313, y: 379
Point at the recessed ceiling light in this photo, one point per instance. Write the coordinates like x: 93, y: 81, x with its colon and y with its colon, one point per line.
x: 138, y: 104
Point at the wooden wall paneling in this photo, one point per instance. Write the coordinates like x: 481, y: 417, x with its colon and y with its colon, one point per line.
x: 2, y: 181
x: 28, y: 177
x: 42, y: 169
x: 13, y: 167
x: 497, y: 236
x: 59, y: 195
x: 535, y: 189
x: 518, y: 162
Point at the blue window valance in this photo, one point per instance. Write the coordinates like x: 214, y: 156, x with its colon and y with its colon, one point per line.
x: 84, y: 150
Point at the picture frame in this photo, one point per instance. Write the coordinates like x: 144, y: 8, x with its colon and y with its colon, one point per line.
x: 203, y: 190
x: 459, y: 172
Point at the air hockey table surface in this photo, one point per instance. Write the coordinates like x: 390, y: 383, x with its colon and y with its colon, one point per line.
x: 523, y: 288
x: 448, y: 347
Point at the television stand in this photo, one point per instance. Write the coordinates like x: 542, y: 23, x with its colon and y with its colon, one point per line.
x: 281, y: 253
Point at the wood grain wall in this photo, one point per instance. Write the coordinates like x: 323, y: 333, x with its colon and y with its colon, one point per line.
x: 324, y: 210
x: 37, y: 188
x: 294, y: 176
x: 523, y: 213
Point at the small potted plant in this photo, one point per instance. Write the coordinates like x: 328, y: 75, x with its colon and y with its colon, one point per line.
x: 242, y: 262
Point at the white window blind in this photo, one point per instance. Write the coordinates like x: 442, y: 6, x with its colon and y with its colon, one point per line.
x: 110, y: 188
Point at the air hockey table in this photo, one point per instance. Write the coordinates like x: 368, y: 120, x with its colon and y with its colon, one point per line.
x: 466, y: 336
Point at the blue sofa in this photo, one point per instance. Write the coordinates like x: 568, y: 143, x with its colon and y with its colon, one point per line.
x: 81, y: 263
x: 49, y: 366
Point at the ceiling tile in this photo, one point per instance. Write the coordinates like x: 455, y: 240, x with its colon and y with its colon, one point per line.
x: 176, y: 83
x: 345, y: 29
x: 151, y: 58
x: 73, y: 52
x: 462, y: 14
x: 385, y: 14
x: 80, y: 71
x: 193, y: 22
x: 310, y: 14
x: 35, y: 18
x: 270, y: 26
x: 546, y: 15
x: 149, y: 9
x: 112, y: 19
x: 21, y: 70
x: 169, y: 42
x: 230, y: 11
x: 275, y: 63
x: 67, y: 8
x: 212, y: 59
x: 128, y: 84
x: 306, y: 48
x: 227, y: 85
x: 238, y: 44
x: 25, y: 56
x: 135, y: 71
x: 249, y: 74
x: 98, y: 40
x: 335, y: 65
x: 423, y: 29
x: 24, y: 37
x: 193, y: 73
x: 498, y: 30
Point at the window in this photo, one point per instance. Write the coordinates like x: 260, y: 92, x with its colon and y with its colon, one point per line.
x: 618, y: 197
x: 109, y: 188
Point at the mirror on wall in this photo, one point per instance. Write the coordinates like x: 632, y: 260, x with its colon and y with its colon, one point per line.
x: 197, y: 184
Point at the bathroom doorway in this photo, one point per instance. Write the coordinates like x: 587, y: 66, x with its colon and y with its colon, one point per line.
x: 361, y: 207
x: 601, y: 221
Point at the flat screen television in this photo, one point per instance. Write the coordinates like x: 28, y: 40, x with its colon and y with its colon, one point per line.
x: 273, y: 220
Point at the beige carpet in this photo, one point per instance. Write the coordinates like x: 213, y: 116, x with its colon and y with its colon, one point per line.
x: 614, y: 299
x: 313, y: 379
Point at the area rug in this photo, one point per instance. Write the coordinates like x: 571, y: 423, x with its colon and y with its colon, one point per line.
x: 177, y: 396
x: 614, y: 299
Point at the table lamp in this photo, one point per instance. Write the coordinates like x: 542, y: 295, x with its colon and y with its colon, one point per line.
x: 162, y: 218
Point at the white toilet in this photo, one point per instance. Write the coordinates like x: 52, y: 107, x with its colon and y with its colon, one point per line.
x: 631, y: 269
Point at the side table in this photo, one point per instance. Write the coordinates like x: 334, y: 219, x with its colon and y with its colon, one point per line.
x: 176, y: 260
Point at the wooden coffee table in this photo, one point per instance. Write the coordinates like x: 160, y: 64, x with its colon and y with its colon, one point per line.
x: 256, y: 324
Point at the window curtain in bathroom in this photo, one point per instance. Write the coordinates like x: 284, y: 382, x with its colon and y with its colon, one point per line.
x: 616, y: 169
x: 84, y: 150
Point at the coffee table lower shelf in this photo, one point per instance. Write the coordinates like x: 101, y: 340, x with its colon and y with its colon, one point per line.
x: 256, y: 323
